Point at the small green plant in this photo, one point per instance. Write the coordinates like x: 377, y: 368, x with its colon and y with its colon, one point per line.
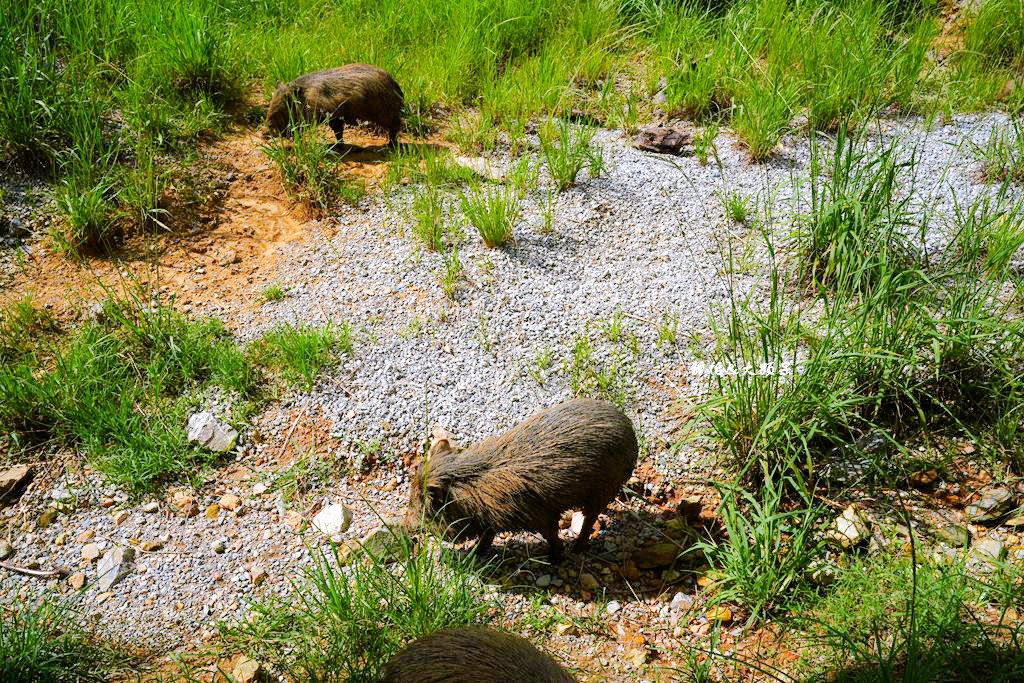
x: 704, y: 143
x: 300, y: 352
x: 275, y: 291
x: 493, y: 213
x: 48, y: 641
x: 768, y: 545
x: 548, y: 214
x: 566, y: 151
x: 736, y: 206
x: 613, y: 328
x: 22, y: 326
x: 538, y: 370
x: 524, y: 175
x: 89, y: 221
x: 428, y: 207
x: 311, y: 471
x: 483, y: 332
x: 668, y: 330
x: 452, y: 272
x: 1002, y: 156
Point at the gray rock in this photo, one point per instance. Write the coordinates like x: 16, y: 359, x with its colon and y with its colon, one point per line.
x: 995, y: 503
x: 210, y: 432
x: 6, y: 550
x: 613, y: 607
x: 544, y: 580
x: 953, y: 535
x: 681, y: 602
x: 112, y: 566
x: 387, y: 543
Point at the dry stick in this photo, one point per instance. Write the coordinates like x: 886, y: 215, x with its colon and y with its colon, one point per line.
x: 291, y: 429
x: 38, y: 573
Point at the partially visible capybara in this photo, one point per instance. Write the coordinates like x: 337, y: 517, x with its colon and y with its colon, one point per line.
x: 576, y: 454
x: 347, y: 94
x: 473, y: 655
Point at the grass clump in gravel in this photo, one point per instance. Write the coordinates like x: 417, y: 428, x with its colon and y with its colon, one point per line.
x: 275, y: 291
x: 308, y: 167
x: 493, y: 212
x: 121, y: 390
x: 567, y: 150
x: 48, y: 642
x: 890, y: 619
x: 300, y: 352
x: 21, y: 325
x: 1002, y: 156
x: 345, y: 623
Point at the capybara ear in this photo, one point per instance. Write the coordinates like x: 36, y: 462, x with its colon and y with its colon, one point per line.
x: 439, y: 447
x: 437, y: 493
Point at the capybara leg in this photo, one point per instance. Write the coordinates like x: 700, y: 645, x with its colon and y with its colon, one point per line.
x: 338, y: 126
x: 483, y: 544
x: 393, y: 137
x: 554, y: 544
x: 588, y: 528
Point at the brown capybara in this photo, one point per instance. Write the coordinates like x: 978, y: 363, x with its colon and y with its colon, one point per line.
x: 473, y: 655
x: 576, y: 454
x: 347, y: 94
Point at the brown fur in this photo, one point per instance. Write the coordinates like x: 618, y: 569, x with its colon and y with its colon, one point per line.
x: 351, y: 93
x: 473, y: 655
x: 576, y: 454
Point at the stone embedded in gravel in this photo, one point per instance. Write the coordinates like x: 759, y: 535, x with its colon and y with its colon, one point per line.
x: 681, y: 602
x: 210, y: 432
x: 47, y: 518
x: 613, y: 607
x: 247, y: 670
x: 259, y: 489
x: 6, y: 550
x: 662, y: 140
x: 387, y: 543
x: 543, y: 581
x: 151, y: 506
x: 588, y: 582
x: 953, y: 535
x: 62, y: 493
x: 333, y: 521
x: 151, y: 546
x: 212, y: 511
x: 655, y: 555
x: 293, y: 519
x: 77, y: 581
x: 995, y: 503
x: 925, y: 479
x: 112, y: 566
x: 106, y: 502
x: 219, y: 545
x: 14, y: 479
x: 482, y: 167
x: 720, y: 614
x: 257, y: 575
x: 230, y: 501
x: 991, y: 550
x: 850, y: 528
x: 119, y: 516
x: 185, y: 504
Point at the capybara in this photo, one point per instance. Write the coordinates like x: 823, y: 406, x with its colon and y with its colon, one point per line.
x: 576, y: 454
x: 354, y: 92
x: 473, y: 655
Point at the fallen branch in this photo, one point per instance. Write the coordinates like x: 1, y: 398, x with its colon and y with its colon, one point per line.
x: 38, y: 573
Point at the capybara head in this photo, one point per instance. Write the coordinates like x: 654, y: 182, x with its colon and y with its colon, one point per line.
x: 473, y: 655
x: 283, y: 109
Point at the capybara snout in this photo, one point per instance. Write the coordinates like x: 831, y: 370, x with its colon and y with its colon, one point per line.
x: 345, y: 95
x: 574, y: 455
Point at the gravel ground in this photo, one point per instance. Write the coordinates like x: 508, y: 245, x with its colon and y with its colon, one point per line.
x: 646, y: 242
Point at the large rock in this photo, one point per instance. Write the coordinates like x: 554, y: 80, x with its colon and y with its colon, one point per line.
x: 333, y: 521
x: 387, y: 543
x: 654, y: 555
x: 210, y: 432
x: 112, y: 566
x: 953, y: 535
x: 14, y: 479
x: 661, y: 140
x: 994, y: 504
x: 849, y: 529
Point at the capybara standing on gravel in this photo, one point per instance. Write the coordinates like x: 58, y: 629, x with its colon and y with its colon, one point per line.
x: 576, y: 454
x: 354, y: 92
x: 473, y: 655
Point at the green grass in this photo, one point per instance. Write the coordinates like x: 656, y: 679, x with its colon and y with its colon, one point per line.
x: 300, y: 353
x: 309, y: 167
x: 567, y: 151
x: 48, y: 641
x: 275, y: 291
x: 887, y: 620
x: 344, y: 624
x: 121, y: 390
x: 493, y: 212
x: 1002, y: 156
